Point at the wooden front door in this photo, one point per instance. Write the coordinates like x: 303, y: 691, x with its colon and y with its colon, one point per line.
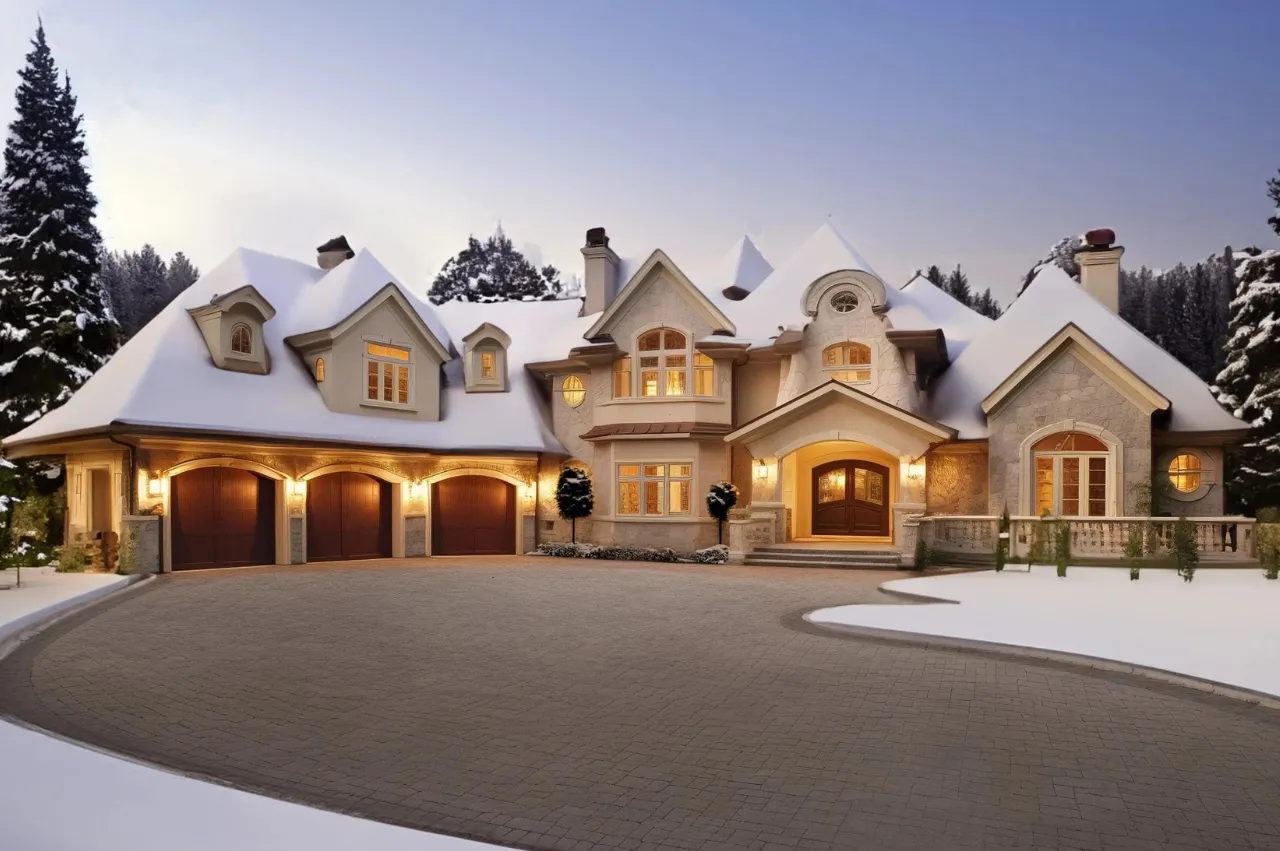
x: 851, y: 498
x: 473, y: 515
x: 222, y: 517
x: 348, y: 517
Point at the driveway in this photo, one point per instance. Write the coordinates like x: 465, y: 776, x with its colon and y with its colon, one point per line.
x: 569, y: 705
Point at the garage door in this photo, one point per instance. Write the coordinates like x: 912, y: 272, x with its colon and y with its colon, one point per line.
x: 348, y: 516
x: 222, y: 518
x: 473, y: 515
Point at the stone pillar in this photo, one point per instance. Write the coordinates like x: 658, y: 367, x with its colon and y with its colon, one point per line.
x: 141, y: 550
x: 298, y: 539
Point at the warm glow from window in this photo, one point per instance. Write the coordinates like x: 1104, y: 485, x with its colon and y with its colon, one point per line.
x: 704, y: 375
x: 622, y: 378
x: 1071, y: 470
x: 664, y: 364
x: 1070, y: 441
x: 387, y: 377
x: 1184, y: 473
x: 242, y: 340
x: 319, y: 369
x: 488, y: 365
x: 836, y: 360
x: 573, y: 391
x: 655, y: 490
x: 378, y: 350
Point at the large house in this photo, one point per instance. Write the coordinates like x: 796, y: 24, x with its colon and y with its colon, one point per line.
x: 283, y: 412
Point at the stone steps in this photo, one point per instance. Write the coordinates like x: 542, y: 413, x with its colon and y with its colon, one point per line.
x: 782, y: 556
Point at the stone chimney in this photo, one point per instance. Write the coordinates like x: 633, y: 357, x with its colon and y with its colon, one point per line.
x: 333, y: 252
x: 1099, y: 261
x: 600, y: 275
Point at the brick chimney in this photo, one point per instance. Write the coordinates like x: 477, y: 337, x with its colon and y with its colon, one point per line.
x: 600, y: 273
x: 333, y: 252
x: 1099, y: 261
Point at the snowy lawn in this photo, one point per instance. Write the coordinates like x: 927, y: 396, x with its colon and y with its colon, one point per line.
x: 44, y: 592
x: 124, y: 806
x: 1220, y: 627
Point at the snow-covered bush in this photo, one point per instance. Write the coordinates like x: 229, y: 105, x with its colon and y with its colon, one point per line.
x: 722, y: 498
x: 610, y: 553
x: 719, y: 554
x: 574, y: 497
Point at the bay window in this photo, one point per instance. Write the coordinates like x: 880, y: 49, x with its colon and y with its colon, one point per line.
x: 664, y: 365
x: 655, y: 490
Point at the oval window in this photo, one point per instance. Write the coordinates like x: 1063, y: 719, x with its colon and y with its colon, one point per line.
x: 844, y: 302
x: 573, y: 391
x: 1184, y: 473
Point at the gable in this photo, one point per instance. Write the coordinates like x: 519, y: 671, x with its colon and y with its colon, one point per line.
x: 389, y: 298
x: 659, y: 290
x: 388, y: 322
x: 1084, y: 350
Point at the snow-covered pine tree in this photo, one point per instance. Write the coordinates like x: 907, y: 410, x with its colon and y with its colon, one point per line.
x: 55, y: 328
x: 987, y: 305
x: 958, y: 287
x: 574, y: 497
x: 493, y: 270
x: 115, y: 283
x: 182, y: 274
x: 1249, y: 384
x: 1062, y: 255
x: 722, y: 497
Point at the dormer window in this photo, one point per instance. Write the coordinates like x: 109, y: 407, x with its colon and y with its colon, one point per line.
x: 319, y: 370
x: 241, y: 340
x: 484, y: 364
x: 388, y: 375
x: 848, y: 362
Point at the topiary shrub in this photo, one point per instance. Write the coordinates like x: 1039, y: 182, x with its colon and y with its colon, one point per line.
x: 1133, y: 551
x: 1062, y: 548
x: 1002, y: 541
x: 574, y: 498
x: 722, y: 497
x: 1185, y: 551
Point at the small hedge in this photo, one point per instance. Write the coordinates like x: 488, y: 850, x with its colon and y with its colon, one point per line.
x: 718, y: 554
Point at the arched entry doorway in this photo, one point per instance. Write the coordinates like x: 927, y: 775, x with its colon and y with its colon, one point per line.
x: 850, y: 497
x: 348, y: 517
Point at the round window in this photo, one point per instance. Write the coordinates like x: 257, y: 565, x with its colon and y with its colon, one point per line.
x: 1184, y: 473
x: 573, y: 390
x: 844, y: 302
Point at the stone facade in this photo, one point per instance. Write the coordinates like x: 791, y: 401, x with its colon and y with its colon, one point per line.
x: 141, y: 549
x: 1065, y: 391
x: 297, y: 539
x: 956, y: 482
x: 415, y: 535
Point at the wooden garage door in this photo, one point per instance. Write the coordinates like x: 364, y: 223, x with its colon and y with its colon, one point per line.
x: 348, y: 516
x: 473, y: 515
x: 222, y: 517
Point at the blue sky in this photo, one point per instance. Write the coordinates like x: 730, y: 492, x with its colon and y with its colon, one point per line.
x: 930, y: 132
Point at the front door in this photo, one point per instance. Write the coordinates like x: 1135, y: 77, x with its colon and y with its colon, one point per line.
x: 850, y: 498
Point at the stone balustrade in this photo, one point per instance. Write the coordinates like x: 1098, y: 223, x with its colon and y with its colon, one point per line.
x: 1217, y: 538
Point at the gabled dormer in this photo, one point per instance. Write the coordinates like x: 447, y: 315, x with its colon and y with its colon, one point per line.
x: 484, y: 364
x: 231, y: 325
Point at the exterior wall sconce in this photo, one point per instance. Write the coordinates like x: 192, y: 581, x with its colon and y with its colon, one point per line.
x: 915, y: 470
x: 154, y: 485
x: 762, y: 470
x: 297, y: 488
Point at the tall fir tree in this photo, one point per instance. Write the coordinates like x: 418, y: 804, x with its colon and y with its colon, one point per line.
x: 987, y: 305
x: 935, y: 276
x: 182, y: 274
x: 55, y: 328
x: 148, y: 284
x: 493, y: 270
x: 958, y: 287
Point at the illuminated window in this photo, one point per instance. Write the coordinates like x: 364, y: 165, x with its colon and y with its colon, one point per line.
x: 848, y: 362
x: 242, y: 340
x: 573, y: 391
x: 655, y: 490
x: 664, y: 363
x: 319, y: 369
x: 1070, y: 475
x: 387, y: 374
x: 1184, y: 473
x: 488, y: 365
x: 704, y: 375
x: 622, y: 378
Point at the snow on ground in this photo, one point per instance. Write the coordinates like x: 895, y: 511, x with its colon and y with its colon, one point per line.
x: 120, y: 805
x: 43, y: 592
x: 1220, y: 627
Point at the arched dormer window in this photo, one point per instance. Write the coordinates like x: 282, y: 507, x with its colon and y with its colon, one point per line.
x: 242, y: 339
x: 485, y: 359
x: 848, y: 362
x: 319, y: 370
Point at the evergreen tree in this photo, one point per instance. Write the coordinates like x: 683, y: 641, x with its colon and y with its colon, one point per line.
x: 987, y: 305
x: 934, y: 276
x: 1062, y: 255
x: 722, y: 497
x: 574, y: 497
x: 958, y: 287
x: 55, y: 327
x: 493, y: 270
x: 114, y: 281
x: 148, y: 285
x: 182, y: 274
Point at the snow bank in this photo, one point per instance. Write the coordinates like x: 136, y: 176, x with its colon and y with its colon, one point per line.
x: 44, y: 593
x: 1221, y: 627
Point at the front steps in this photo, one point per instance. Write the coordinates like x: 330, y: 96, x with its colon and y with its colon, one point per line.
x: 791, y: 556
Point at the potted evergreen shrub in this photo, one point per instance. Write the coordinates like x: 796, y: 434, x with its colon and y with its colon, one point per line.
x: 722, y: 497
x: 574, y: 497
x: 1062, y: 547
x: 1133, y: 551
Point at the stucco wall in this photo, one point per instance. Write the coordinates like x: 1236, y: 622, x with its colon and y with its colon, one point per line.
x: 956, y: 482
x: 1066, y: 389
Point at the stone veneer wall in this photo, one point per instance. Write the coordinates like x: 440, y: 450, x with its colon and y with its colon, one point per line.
x: 144, y: 530
x: 1066, y: 389
x: 297, y: 539
x: 415, y: 535
x: 956, y: 482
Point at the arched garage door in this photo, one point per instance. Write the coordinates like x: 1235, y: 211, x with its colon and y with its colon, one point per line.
x: 348, y: 516
x: 222, y: 517
x: 473, y: 515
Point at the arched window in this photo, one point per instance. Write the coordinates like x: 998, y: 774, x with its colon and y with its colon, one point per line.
x: 848, y: 362
x: 1071, y: 470
x: 664, y: 363
x: 1184, y: 473
x: 242, y: 340
x: 573, y: 391
x: 319, y: 370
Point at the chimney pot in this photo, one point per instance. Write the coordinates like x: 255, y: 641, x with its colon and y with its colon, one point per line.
x: 600, y: 272
x: 1099, y: 261
x: 1100, y: 238
x: 333, y: 252
x: 596, y: 237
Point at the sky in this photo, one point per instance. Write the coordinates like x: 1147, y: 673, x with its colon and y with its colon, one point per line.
x: 976, y: 133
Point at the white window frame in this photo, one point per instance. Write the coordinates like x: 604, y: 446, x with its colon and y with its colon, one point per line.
x: 870, y: 367
x: 690, y: 369
x: 231, y: 339
x: 1083, y: 485
x: 642, y: 477
x: 385, y: 363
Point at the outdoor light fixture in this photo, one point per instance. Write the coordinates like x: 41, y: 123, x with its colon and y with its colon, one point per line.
x: 762, y: 470
x: 298, y: 488
x: 153, y: 485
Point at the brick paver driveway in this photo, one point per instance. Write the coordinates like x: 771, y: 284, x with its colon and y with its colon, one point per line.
x: 574, y: 705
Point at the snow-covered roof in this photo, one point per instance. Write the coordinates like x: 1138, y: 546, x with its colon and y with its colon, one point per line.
x: 163, y: 377
x: 922, y: 306
x: 1049, y: 303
